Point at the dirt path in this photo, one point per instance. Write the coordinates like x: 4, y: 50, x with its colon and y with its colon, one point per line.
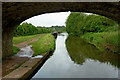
x: 13, y: 62
x: 23, y: 44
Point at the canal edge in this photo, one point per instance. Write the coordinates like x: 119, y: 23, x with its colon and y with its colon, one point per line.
x: 27, y: 70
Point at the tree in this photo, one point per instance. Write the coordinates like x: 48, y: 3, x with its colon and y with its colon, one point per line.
x: 79, y: 23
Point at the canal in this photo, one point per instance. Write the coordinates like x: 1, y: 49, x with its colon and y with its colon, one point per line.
x: 75, y: 58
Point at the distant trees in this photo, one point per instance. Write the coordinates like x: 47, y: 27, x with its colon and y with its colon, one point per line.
x: 44, y: 30
x: 79, y: 23
x: 29, y: 29
x: 58, y: 28
x: 53, y: 28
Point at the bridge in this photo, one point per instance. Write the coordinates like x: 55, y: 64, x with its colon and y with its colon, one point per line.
x: 14, y: 13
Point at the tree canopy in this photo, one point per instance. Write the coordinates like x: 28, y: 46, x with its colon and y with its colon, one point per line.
x: 29, y: 29
x: 79, y: 23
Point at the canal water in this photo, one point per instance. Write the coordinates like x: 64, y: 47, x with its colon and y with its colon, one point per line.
x: 75, y: 58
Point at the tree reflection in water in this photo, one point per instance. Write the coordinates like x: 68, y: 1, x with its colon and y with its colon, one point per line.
x: 79, y: 51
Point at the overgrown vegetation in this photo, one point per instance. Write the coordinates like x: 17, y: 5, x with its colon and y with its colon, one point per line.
x: 26, y: 29
x: 98, y: 30
x: 104, y: 40
x: 79, y: 23
x: 29, y: 29
x: 45, y: 43
x: 28, y: 32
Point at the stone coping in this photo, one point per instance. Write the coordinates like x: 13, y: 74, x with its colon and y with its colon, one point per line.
x: 28, y: 69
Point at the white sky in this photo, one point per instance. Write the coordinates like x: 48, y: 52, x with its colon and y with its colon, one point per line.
x: 49, y: 19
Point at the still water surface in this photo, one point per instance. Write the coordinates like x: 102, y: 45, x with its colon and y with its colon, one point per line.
x: 75, y: 58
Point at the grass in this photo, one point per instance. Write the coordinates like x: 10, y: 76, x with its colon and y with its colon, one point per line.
x: 15, y: 49
x: 104, y: 40
x: 45, y: 43
x: 17, y: 40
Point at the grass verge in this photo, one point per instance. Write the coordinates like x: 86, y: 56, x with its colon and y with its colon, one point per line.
x: 19, y: 39
x: 104, y: 40
x: 15, y: 49
x: 45, y: 43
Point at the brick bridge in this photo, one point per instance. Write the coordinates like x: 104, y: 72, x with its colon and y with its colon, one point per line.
x: 14, y: 13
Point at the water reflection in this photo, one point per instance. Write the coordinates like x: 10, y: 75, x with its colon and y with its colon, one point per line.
x: 80, y: 51
x: 82, y: 60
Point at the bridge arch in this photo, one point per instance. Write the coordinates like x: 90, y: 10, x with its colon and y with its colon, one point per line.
x: 15, y: 13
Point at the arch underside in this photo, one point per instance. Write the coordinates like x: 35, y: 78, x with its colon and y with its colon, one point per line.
x: 14, y: 13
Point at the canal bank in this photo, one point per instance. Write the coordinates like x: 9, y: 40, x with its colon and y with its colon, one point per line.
x: 24, y: 64
x: 76, y: 58
x: 29, y: 68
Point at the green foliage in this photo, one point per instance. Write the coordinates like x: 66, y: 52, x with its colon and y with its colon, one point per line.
x: 80, y: 50
x: 45, y: 43
x: 103, y: 40
x: 29, y: 29
x: 79, y: 23
x: 98, y: 30
x: 15, y: 49
x: 53, y: 28
x: 44, y: 30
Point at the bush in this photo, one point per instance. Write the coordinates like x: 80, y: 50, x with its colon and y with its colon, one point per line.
x: 79, y: 23
x: 29, y: 29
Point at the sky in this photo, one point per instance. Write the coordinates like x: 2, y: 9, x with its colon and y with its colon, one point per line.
x: 49, y: 19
